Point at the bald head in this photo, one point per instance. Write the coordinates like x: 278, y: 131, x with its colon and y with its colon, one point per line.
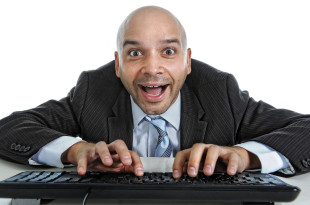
x: 145, y: 21
x: 152, y: 59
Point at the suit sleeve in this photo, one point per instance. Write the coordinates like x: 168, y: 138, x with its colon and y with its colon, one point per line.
x: 285, y: 131
x: 23, y: 133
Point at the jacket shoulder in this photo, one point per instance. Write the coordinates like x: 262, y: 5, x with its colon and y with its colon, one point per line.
x: 104, y: 74
x: 97, y: 89
x: 203, y: 73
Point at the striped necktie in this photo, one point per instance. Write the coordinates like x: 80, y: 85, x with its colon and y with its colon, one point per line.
x: 163, y: 146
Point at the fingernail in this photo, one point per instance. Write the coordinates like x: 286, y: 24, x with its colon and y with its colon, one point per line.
x: 176, y: 173
x: 139, y: 171
x: 107, y: 159
x: 233, y: 169
x: 208, y: 169
x: 192, y: 170
x: 127, y: 159
x: 80, y: 169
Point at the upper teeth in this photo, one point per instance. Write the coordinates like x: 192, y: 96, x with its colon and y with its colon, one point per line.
x: 152, y: 86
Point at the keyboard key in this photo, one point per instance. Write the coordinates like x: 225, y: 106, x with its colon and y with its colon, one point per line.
x: 52, y: 177
x: 18, y: 176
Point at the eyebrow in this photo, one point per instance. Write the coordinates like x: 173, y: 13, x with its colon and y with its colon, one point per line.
x: 173, y: 40
x: 128, y: 42
x: 166, y: 41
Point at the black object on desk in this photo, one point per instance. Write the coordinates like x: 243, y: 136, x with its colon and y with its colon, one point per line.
x: 246, y: 187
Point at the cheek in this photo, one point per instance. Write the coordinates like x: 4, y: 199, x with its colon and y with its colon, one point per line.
x: 179, y: 72
x: 127, y: 77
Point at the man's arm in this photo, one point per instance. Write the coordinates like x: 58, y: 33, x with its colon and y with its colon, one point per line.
x: 270, y: 159
x: 51, y: 153
x: 285, y: 131
x: 34, y: 128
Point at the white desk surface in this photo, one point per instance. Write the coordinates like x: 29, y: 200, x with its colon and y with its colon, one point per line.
x: 8, y: 169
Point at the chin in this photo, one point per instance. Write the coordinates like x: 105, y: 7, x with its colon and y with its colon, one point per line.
x: 155, y: 110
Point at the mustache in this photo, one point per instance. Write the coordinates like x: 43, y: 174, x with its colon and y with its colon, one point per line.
x: 153, y: 79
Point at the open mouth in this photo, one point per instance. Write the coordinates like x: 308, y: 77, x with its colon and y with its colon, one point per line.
x: 154, y: 91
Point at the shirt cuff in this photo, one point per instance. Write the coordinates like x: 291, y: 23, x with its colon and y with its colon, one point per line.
x: 270, y: 159
x: 51, y: 153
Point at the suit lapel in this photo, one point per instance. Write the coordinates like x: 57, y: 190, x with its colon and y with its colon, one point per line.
x: 121, y: 125
x: 192, y: 129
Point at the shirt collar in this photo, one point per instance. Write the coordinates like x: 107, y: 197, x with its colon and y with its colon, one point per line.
x: 172, y: 115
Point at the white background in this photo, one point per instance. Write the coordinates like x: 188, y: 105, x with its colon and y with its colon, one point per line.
x: 44, y: 45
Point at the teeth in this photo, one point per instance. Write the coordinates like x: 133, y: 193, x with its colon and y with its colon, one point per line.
x: 152, y: 86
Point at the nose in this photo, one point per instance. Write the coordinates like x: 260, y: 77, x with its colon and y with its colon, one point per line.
x: 152, y: 65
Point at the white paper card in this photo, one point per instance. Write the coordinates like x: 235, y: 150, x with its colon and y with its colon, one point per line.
x: 157, y: 164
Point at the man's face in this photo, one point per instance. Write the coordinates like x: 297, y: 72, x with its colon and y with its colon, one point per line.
x: 153, y: 63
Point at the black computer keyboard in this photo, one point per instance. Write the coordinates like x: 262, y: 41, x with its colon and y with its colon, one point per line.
x: 243, y: 187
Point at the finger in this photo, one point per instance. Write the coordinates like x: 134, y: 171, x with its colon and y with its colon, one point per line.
x: 233, y: 162
x: 137, y: 164
x: 121, y: 149
x: 82, y: 165
x: 179, y: 162
x: 195, y: 158
x: 101, y: 148
x: 211, y: 159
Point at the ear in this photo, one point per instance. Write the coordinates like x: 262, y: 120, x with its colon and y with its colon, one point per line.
x: 189, y: 60
x: 116, y: 63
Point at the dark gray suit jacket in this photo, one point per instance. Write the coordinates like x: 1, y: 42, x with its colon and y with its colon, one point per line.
x: 213, y: 110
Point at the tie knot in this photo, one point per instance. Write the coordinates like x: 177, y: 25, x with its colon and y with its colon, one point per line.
x: 163, y: 147
x: 157, y: 121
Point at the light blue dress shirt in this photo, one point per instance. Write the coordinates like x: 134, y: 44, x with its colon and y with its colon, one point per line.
x: 145, y: 134
x: 145, y: 139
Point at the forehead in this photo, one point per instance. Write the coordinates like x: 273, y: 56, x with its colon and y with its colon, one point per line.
x: 152, y: 28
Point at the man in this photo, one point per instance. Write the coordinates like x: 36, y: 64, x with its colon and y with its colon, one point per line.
x: 155, y: 88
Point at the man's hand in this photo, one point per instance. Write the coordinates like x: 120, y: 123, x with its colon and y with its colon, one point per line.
x: 210, y: 158
x: 113, y: 157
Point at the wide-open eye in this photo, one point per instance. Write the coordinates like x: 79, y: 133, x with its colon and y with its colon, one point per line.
x: 169, y: 51
x: 135, y: 53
